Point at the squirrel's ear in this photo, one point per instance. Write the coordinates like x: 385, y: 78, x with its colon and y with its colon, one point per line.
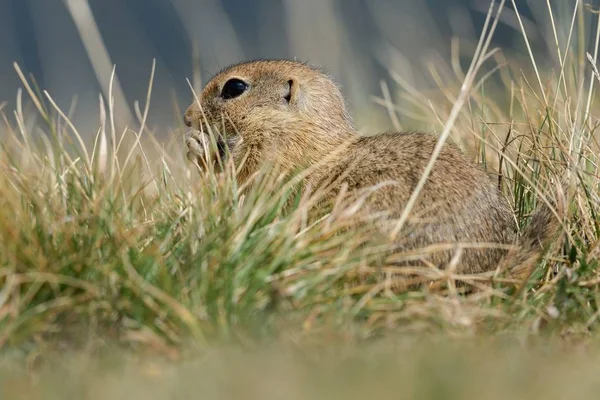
x: 289, y: 90
x: 294, y: 95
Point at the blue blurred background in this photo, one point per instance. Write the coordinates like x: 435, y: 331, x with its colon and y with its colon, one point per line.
x: 70, y: 46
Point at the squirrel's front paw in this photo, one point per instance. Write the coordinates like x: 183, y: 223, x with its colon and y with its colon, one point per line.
x: 198, y: 144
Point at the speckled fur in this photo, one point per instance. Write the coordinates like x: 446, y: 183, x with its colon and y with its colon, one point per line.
x: 459, y: 203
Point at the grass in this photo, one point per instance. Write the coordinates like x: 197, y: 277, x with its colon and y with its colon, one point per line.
x: 120, y: 244
x: 405, y: 369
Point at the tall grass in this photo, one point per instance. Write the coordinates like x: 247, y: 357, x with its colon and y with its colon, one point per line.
x: 123, y: 241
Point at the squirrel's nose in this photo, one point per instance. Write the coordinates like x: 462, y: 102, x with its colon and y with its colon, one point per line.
x: 187, y: 119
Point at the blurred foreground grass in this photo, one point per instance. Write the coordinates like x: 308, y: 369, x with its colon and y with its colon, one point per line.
x: 120, y: 244
x: 404, y: 368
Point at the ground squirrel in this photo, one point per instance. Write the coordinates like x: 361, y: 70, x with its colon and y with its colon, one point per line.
x: 293, y: 115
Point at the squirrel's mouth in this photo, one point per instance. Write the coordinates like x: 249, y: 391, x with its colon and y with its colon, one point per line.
x: 203, y: 149
x: 223, y: 145
x: 221, y: 148
x: 223, y: 140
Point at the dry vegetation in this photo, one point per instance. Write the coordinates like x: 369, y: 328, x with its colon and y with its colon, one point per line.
x: 121, y: 244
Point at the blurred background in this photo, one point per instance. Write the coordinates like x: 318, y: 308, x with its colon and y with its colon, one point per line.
x: 70, y: 46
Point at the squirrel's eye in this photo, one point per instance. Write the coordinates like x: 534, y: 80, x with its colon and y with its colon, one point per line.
x: 233, y: 88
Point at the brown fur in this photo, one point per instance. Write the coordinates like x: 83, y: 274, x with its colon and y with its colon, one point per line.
x: 459, y: 203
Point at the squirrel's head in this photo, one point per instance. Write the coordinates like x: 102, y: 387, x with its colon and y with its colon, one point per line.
x: 272, y: 109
